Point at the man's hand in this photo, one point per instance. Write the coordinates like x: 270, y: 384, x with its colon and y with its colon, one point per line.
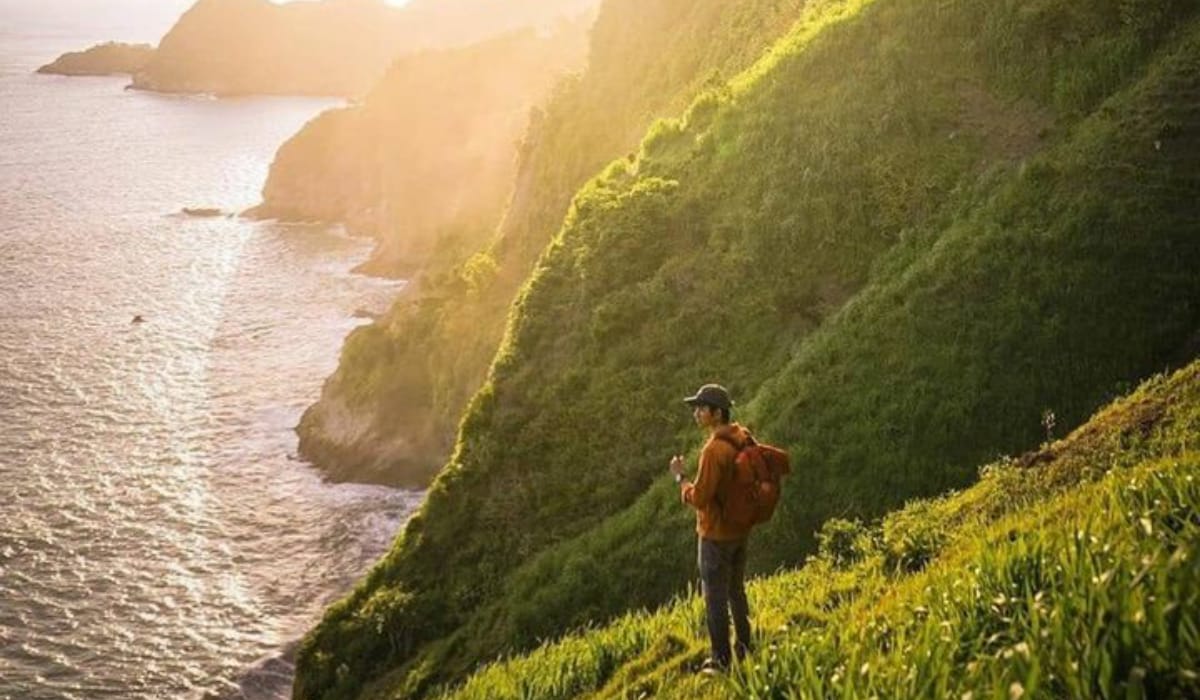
x: 676, y: 465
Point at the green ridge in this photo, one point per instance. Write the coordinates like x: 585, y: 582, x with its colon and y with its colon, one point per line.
x: 902, y: 236
x: 410, y: 376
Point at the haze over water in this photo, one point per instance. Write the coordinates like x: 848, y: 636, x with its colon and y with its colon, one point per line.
x: 156, y: 539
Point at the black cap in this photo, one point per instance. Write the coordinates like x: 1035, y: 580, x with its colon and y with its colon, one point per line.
x: 713, y: 395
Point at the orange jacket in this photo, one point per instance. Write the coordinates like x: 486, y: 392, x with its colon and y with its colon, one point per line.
x: 712, y: 480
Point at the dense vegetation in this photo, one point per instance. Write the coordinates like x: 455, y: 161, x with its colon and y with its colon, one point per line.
x: 1071, y: 572
x: 906, y: 237
x: 402, y: 383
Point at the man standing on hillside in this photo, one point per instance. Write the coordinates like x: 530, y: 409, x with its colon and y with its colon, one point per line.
x: 722, y: 545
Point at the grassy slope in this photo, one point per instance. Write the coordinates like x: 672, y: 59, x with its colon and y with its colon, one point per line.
x: 898, y: 173
x: 1073, y: 572
x: 409, y: 376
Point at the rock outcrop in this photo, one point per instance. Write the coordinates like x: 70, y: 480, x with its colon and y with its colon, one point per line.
x: 202, y: 212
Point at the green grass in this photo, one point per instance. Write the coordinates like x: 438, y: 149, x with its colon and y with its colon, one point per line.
x: 902, y: 237
x: 1074, y: 572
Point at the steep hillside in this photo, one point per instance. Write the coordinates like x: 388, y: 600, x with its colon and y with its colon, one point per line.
x: 1073, y: 571
x: 899, y: 253
x: 431, y: 149
x: 390, y: 412
x: 330, y: 47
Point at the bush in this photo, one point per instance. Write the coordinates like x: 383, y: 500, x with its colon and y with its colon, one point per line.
x: 844, y: 543
x: 912, y: 537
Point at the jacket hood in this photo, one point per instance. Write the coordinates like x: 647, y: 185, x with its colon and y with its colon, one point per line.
x: 733, y: 431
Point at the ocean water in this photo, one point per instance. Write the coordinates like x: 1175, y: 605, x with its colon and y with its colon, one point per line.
x: 158, y: 539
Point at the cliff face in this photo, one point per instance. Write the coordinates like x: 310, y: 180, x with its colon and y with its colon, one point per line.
x: 425, y: 163
x: 331, y: 47
x: 390, y: 412
x: 430, y: 150
x: 103, y: 59
x: 324, y: 174
x: 898, y: 253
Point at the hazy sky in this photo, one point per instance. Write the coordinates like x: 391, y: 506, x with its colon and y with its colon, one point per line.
x: 122, y: 20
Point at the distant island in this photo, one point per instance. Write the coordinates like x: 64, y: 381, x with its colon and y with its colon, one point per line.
x: 111, y: 58
x: 240, y: 47
x: 336, y: 48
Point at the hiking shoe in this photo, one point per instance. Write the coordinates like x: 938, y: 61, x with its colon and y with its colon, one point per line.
x: 713, y: 667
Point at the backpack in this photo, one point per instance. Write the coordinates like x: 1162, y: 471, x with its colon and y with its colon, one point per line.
x: 753, y: 491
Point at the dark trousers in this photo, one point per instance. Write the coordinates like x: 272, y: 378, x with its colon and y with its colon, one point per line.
x: 723, y: 580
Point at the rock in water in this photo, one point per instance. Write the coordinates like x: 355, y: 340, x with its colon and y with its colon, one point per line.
x: 202, y: 212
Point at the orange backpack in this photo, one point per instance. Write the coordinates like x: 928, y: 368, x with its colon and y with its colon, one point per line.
x: 753, y: 491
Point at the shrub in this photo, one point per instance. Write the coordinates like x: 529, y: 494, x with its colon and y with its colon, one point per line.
x: 844, y: 543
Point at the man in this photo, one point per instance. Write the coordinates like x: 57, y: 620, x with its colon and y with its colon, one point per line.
x: 722, y: 545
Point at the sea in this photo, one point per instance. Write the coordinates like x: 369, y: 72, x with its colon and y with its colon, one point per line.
x: 159, y: 537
